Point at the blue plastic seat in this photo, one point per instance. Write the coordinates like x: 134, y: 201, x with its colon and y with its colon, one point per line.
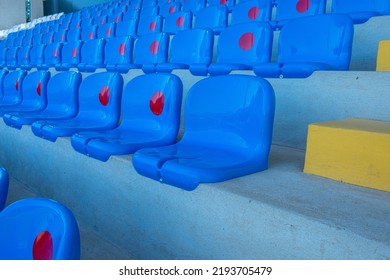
x: 106, y: 30
x: 177, y: 21
x: 118, y: 54
x: 12, y: 58
x: 3, y: 57
x: 24, y: 57
x: 361, y: 11
x: 89, y: 33
x: 70, y: 56
x: 150, y: 118
x: 100, y: 20
x: 33, y: 93
x: 3, y: 73
x: 214, y: 17
x: 37, y: 40
x: 228, y: 130
x: 60, y: 36
x: 148, y: 25
x: 169, y: 8
x: 151, y: 50
x: 87, y: 22
x: 193, y: 5
x: 325, y: 45
x: 73, y: 35
x: 36, y: 56
x: 252, y: 10
x: 115, y: 18
x: 18, y: 41
x: 99, y: 108
x: 52, y: 55
x: 190, y: 49
x: 131, y: 13
x: 4, y: 185
x: 10, y: 42
x: 228, y: 3
x: 92, y: 55
x: 127, y: 28
x: 148, y: 11
x: 62, y: 101
x: 38, y: 229
x: 241, y: 46
x: 48, y: 38
x: 287, y: 10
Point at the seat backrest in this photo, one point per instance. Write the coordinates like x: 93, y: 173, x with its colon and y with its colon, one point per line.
x: 327, y: 39
x: 12, y: 56
x: 60, y: 36
x: 242, y: 123
x: 151, y: 48
x: 177, y: 21
x: 62, y: 94
x: 252, y: 10
x: 149, y: 25
x: 151, y: 103
x: 127, y: 28
x: 131, y: 13
x: 70, y: 53
x: 148, y: 11
x: 100, y: 20
x: 40, y: 229
x: 24, y: 55
x: 34, y: 90
x: 193, y: 6
x: 118, y: 50
x: 246, y: 43
x: 92, y: 51
x: 3, y: 56
x: 37, y: 40
x: 73, y: 35
x: 4, y: 184
x: 36, y: 55
x: 88, y: 32
x: 115, y: 18
x: 291, y: 9
x: 52, y: 54
x: 169, y: 8
x: 12, y: 88
x: 106, y: 30
x: 48, y: 38
x: 214, y: 17
x: 192, y: 46
x: 383, y: 57
x: 3, y: 73
x: 100, y: 97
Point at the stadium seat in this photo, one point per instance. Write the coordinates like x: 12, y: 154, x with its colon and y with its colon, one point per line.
x: 193, y: 5
x: 150, y: 50
x: 12, y: 58
x: 99, y: 108
x: 4, y: 185
x: 127, y: 28
x: 361, y: 11
x: 24, y: 58
x: 3, y: 73
x: 148, y: 11
x: 60, y: 36
x: 190, y: 49
x: 10, y: 42
x: 221, y: 140
x: 38, y: 229
x: 251, y: 10
x: 115, y: 18
x: 52, y: 55
x: 92, y: 55
x: 36, y: 56
x: 228, y: 3
x: 118, y: 54
x: 383, y: 57
x: 12, y: 89
x: 62, y: 101
x: 241, y: 46
x: 48, y: 38
x: 287, y: 10
x: 177, y: 21
x: 106, y: 30
x: 3, y: 57
x: 33, y: 93
x: 325, y: 45
x: 169, y: 8
x: 150, y: 118
x: 214, y: 17
x: 37, y: 40
x: 73, y: 35
x: 70, y: 56
x: 89, y: 33
x: 149, y: 25
x: 100, y: 20
x: 131, y: 13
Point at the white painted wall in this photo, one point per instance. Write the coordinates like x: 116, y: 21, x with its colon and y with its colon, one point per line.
x: 12, y: 13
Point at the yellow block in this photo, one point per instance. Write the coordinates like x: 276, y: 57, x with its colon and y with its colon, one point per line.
x: 383, y: 57
x: 355, y: 151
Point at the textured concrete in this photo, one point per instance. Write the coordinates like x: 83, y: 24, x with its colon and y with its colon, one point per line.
x: 281, y: 213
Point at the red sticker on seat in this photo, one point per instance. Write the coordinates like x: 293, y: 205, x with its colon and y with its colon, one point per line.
x: 156, y: 103
x: 43, y: 246
x: 246, y: 41
x: 154, y: 47
x: 253, y: 12
x: 152, y: 26
x: 39, y: 88
x: 122, y: 49
x: 104, y: 95
x: 74, y: 52
x: 302, y: 6
x: 180, y: 21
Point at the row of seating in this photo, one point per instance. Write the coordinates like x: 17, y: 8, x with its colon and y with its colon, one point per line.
x: 326, y: 45
x: 102, y: 121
